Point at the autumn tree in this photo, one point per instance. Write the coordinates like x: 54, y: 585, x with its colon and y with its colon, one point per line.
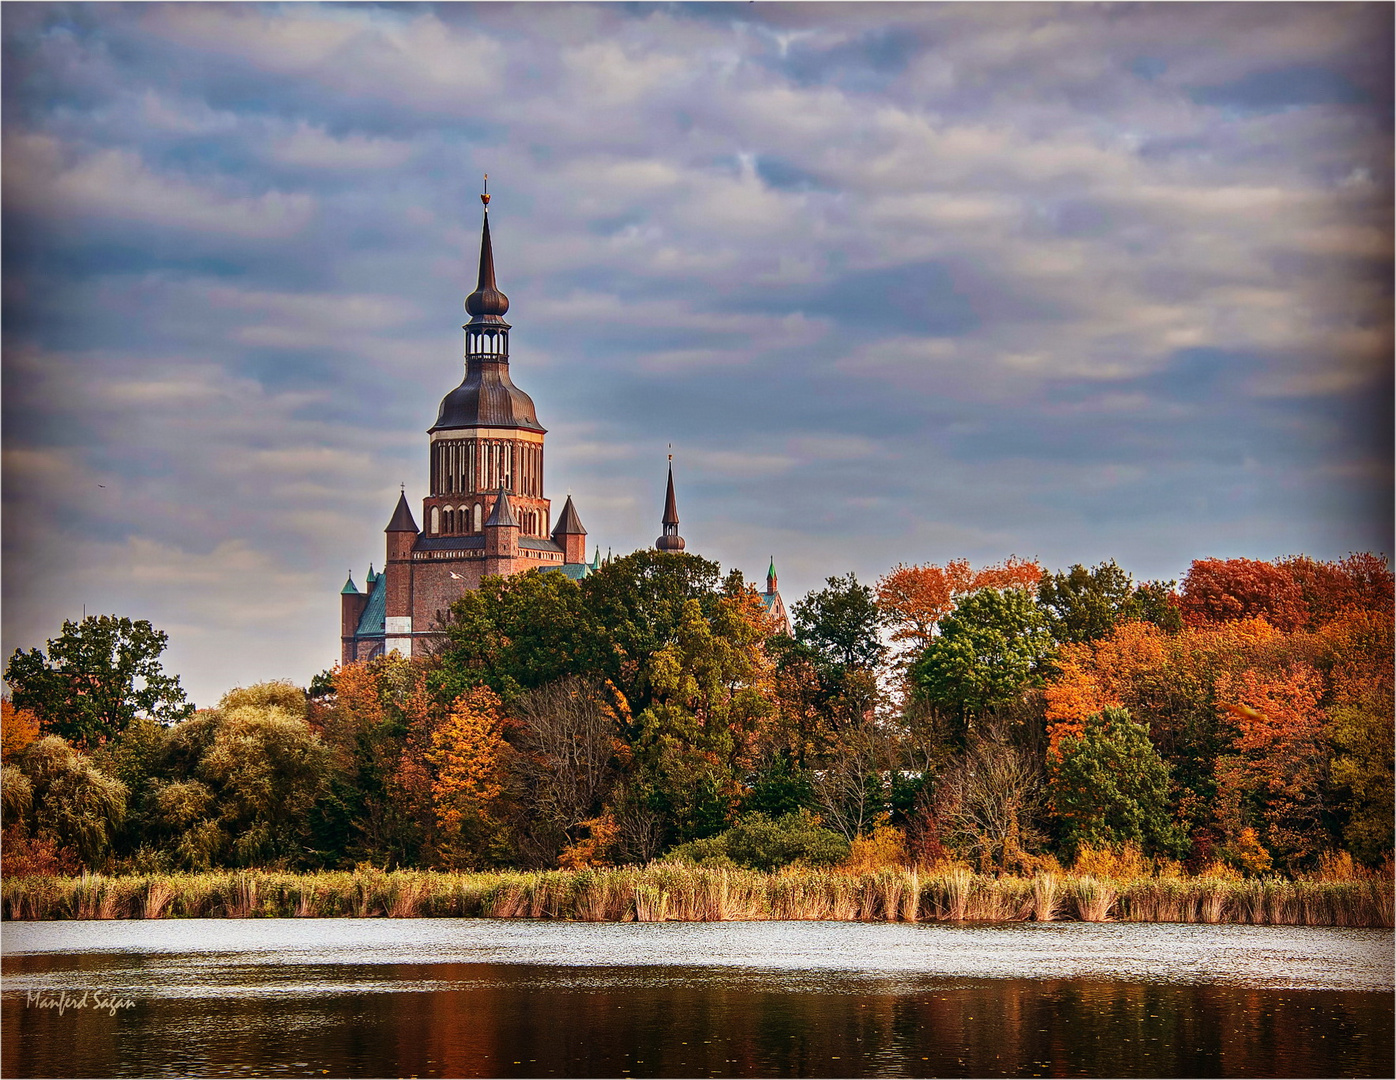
x: 18, y: 728
x: 1330, y: 590
x: 568, y: 761
x: 988, y: 804
x: 467, y: 757
x: 242, y: 783
x: 65, y: 801
x: 377, y: 725
x: 912, y: 600
x: 98, y: 676
x: 1357, y: 653
x: 1272, y: 779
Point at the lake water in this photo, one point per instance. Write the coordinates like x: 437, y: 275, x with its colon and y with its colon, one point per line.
x: 474, y: 997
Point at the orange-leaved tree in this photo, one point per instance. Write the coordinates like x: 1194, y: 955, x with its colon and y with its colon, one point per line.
x: 1170, y: 682
x: 467, y: 755
x: 1272, y: 778
x: 913, y: 599
x: 18, y: 728
x: 1292, y: 593
x: 378, y: 728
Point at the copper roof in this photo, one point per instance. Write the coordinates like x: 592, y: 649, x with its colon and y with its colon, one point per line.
x: 487, y: 397
x: 486, y: 304
x: 671, y: 508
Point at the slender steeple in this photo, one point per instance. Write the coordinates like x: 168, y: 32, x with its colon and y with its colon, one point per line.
x: 771, y: 577
x: 487, y: 397
x: 671, y: 540
x: 487, y: 305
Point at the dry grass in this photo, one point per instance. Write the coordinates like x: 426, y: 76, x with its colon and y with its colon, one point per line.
x: 1046, y: 897
x: 682, y: 893
x: 158, y: 895
x: 1093, y: 898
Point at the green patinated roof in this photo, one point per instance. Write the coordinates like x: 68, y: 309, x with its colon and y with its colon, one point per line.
x: 350, y: 589
x: 371, y: 622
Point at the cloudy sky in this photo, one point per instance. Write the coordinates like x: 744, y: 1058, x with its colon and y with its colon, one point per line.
x: 899, y: 283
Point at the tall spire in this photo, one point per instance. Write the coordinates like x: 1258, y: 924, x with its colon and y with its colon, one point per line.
x: 486, y: 304
x: 771, y: 577
x: 671, y: 540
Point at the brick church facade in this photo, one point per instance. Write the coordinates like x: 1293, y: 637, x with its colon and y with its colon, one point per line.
x: 486, y: 512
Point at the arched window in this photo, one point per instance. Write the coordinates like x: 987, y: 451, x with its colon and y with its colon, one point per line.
x: 436, y: 521
x: 479, y: 517
x: 450, y: 515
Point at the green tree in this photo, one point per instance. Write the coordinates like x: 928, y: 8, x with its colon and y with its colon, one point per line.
x: 637, y: 604
x: 1109, y: 786
x: 518, y: 633
x: 72, y: 802
x: 1362, y: 768
x: 244, y: 782
x: 99, y: 675
x: 839, y: 624
x: 1085, y: 605
x: 990, y: 649
x: 763, y: 843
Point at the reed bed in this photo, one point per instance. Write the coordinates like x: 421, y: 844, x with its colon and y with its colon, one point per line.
x: 674, y: 892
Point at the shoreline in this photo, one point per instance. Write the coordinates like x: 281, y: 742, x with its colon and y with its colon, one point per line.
x: 668, y: 892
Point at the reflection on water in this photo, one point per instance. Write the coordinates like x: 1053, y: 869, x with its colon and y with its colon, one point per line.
x: 486, y: 998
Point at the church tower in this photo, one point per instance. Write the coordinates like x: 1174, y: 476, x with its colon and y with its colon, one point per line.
x: 486, y: 436
x: 485, y: 512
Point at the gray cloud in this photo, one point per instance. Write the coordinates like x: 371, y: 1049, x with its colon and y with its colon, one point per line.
x: 900, y: 282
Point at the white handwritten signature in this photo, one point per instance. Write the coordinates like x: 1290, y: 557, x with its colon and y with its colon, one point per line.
x: 88, y: 999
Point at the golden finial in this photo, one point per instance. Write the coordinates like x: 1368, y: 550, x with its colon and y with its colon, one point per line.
x: 485, y: 195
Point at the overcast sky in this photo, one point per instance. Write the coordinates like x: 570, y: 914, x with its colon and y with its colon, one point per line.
x: 900, y: 284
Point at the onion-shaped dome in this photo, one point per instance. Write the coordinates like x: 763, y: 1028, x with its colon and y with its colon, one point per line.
x: 486, y: 303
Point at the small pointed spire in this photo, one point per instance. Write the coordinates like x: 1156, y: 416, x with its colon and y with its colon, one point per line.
x: 771, y: 576
x: 670, y: 540
x: 569, y: 523
x: 596, y: 562
x: 350, y: 589
x: 402, y: 520
x: 503, y: 513
x: 671, y: 506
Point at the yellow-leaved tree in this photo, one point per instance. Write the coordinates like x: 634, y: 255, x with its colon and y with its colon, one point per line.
x: 466, y: 755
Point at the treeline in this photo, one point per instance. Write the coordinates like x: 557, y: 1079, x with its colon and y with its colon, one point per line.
x: 1005, y: 719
